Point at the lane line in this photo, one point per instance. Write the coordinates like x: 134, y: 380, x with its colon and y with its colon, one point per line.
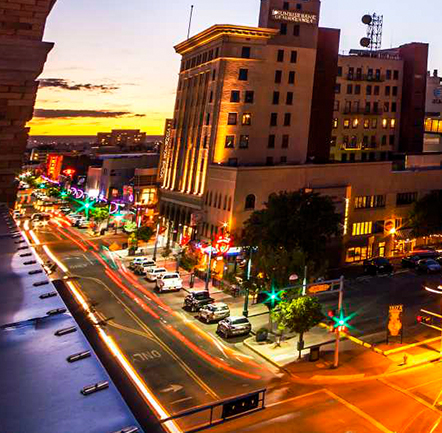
x: 298, y: 397
x: 424, y: 384
x: 358, y: 411
x: 436, y: 425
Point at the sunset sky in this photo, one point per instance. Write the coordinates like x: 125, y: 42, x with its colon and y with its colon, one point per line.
x: 114, y: 66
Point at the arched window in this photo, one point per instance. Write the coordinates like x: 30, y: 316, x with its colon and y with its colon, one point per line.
x: 250, y: 202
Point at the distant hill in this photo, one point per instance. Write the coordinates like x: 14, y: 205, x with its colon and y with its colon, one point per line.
x: 56, y: 139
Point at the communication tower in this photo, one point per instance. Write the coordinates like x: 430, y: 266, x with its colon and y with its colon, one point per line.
x: 373, y: 40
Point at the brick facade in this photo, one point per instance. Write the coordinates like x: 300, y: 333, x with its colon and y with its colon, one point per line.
x: 22, y: 57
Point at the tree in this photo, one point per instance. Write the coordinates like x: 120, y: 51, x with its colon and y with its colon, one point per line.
x: 298, y: 315
x: 53, y: 192
x: 100, y: 214
x: 426, y: 216
x: 144, y: 233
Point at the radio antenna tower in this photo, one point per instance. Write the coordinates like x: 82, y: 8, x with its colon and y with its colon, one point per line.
x: 190, y: 22
x: 375, y: 24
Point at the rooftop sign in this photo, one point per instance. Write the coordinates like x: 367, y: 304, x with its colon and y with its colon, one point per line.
x: 296, y: 17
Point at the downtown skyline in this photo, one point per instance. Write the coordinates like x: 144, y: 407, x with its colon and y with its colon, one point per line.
x: 121, y: 70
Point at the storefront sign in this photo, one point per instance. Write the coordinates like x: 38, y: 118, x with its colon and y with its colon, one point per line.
x: 54, y: 166
x: 167, y: 148
x: 395, y: 326
x: 319, y: 288
x: 222, y: 244
x: 296, y: 17
x: 389, y: 227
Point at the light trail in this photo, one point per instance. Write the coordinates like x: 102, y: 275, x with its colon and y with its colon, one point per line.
x: 171, y: 426
x: 76, y: 233
x: 54, y: 259
x: 26, y: 225
x: 34, y: 238
x: 84, y: 248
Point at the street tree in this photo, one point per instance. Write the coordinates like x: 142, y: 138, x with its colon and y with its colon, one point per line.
x: 100, y: 214
x: 298, y: 315
x: 144, y: 233
x: 426, y: 216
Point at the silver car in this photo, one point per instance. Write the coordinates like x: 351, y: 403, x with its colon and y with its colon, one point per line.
x: 233, y: 326
x: 214, y: 312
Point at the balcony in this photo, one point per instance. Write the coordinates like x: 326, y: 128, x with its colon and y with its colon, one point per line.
x: 363, y: 110
x: 366, y: 77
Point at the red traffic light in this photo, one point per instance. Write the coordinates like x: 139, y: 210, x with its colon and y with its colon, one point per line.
x: 331, y: 313
x: 419, y: 319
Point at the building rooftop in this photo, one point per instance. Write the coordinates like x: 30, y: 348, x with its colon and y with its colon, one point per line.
x: 41, y: 390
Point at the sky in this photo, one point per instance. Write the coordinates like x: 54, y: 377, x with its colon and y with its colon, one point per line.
x: 113, y: 65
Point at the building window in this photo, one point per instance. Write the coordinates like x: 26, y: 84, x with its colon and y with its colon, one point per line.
x: 278, y: 77
x: 396, y: 75
x: 349, y: 89
x: 232, y: 119
x: 285, y: 141
x: 283, y: 31
x: 289, y: 99
x: 366, y: 123
x: 283, y: 160
x: 269, y: 160
x: 205, y: 142
x: 243, y: 141
x: 333, y: 141
x: 346, y: 123
x: 271, y: 142
x: 343, y: 157
x: 246, y: 119
x: 296, y: 30
x: 358, y: 73
x: 336, y: 105
x: 355, y: 123
x: 386, y: 107
x: 384, y: 140
x: 230, y: 142
x: 245, y: 52
x: 249, y: 97
x: 214, y: 75
x: 250, y: 202
x: 275, y: 98
x: 235, y: 96
x: 351, y: 72
x: 274, y: 119
x: 393, y: 107
x: 243, y: 75
x: 370, y: 202
x: 211, y: 97
x: 232, y: 162
x: 368, y: 90
x: 280, y: 56
x: 294, y: 57
x: 388, y: 74
x: 229, y: 205
x: 392, y: 140
x: 374, y: 123
x: 394, y: 91
x: 208, y: 119
x: 287, y: 119
x: 360, y: 229
x: 285, y: 6
x: 337, y: 88
x: 291, y: 77
x: 339, y: 71
x: 370, y: 74
x: 357, y: 89
x: 335, y: 123
x: 387, y: 90
x: 392, y: 123
x: 404, y: 198
x: 384, y: 123
x: 376, y: 90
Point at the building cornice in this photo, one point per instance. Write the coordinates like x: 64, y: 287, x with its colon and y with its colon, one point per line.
x: 220, y: 30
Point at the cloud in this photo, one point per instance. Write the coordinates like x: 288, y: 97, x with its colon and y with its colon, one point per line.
x: 65, y: 114
x: 60, y: 83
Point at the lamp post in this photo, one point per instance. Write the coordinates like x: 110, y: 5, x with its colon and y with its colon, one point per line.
x: 156, y: 243
x: 208, y: 267
x: 245, y: 312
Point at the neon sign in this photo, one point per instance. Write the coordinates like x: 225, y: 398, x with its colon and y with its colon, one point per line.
x: 223, y: 243
x: 296, y: 17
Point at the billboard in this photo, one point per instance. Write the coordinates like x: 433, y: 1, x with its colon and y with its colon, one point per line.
x: 54, y: 165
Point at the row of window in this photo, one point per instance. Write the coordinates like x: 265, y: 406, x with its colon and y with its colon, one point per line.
x: 355, y: 107
x: 246, y: 119
x: 245, y: 139
x: 372, y: 74
x: 200, y: 59
x: 351, y: 142
x: 285, y: 29
x: 369, y: 90
x: 243, y: 75
x: 355, y: 123
x: 217, y: 200
x: 233, y: 162
x: 370, y: 202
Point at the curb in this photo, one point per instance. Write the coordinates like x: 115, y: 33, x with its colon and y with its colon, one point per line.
x: 268, y: 359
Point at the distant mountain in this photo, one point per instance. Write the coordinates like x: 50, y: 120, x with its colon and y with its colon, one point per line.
x: 74, y: 139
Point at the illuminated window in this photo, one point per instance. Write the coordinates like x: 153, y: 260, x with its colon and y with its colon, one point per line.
x: 246, y: 119
x: 392, y: 123
x: 335, y: 123
x: 366, y: 123
x: 346, y: 123
x: 370, y: 202
x: 364, y: 228
x: 355, y: 123
x: 230, y: 142
x: 384, y: 123
x: 374, y: 123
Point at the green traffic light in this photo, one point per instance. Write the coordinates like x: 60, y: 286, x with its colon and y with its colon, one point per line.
x: 342, y: 320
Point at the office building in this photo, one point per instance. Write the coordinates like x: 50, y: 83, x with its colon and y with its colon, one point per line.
x: 122, y: 138
x: 433, y: 115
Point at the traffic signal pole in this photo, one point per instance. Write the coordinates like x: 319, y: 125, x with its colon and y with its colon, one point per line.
x: 338, y: 332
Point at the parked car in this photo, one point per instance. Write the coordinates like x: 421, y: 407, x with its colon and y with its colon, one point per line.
x: 144, y: 268
x: 377, y: 265
x: 197, y: 299
x: 234, y: 326
x: 410, y: 261
x: 168, y: 282
x: 141, y: 261
x: 429, y: 266
x: 155, y: 273
x: 81, y: 223
x: 214, y: 312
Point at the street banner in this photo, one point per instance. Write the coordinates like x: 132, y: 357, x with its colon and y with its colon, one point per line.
x: 395, y: 328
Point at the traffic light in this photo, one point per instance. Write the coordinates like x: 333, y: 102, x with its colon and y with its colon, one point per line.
x: 425, y: 319
x: 341, y: 322
x: 273, y: 297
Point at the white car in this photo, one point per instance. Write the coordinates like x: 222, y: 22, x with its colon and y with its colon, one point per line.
x: 155, y: 273
x: 145, y: 268
x: 140, y: 261
x: 168, y: 282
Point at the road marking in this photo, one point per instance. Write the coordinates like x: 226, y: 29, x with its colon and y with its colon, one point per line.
x: 360, y: 412
x: 181, y: 400
x: 424, y: 384
x: 436, y: 425
x: 147, y: 356
x: 298, y: 397
x: 172, y: 388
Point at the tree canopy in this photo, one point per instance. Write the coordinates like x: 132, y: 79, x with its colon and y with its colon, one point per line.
x: 426, y: 216
x: 100, y: 214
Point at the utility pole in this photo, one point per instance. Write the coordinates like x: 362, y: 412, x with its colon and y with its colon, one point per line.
x: 338, y: 332
x: 245, y: 312
x: 156, y: 243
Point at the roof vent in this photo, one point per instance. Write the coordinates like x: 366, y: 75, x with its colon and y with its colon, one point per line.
x: 78, y: 356
x: 48, y: 295
x: 65, y: 331
x: 99, y: 386
x: 40, y: 283
x: 20, y: 241
x: 26, y: 255
x: 132, y: 429
x: 35, y: 272
x: 31, y: 262
x: 56, y: 311
x: 22, y: 248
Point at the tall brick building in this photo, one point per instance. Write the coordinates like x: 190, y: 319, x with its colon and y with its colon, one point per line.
x: 22, y: 57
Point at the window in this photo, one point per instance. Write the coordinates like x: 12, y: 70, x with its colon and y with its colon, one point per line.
x: 355, y: 123
x: 213, y: 75
x: 352, y: 157
x: 376, y: 90
x: 283, y: 29
x: 386, y: 107
x: 368, y: 90
x: 396, y: 75
x: 249, y: 97
x: 283, y: 160
x: 388, y: 74
x: 333, y: 141
x: 274, y: 119
x: 349, y: 89
x: 246, y: 119
x: 367, y: 107
x: 358, y: 73
x: 243, y: 74
x: 351, y: 72
x: 335, y: 123
x: 366, y: 123
x: 374, y: 123
x: 275, y: 98
x: 205, y: 142
x: 289, y: 99
x: 294, y: 57
x: 250, y: 202
x: 271, y: 142
x: 232, y: 119
x: 285, y: 141
x: 370, y: 202
x: 357, y: 89
x: 360, y: 229
x: 393, y: 107
x: 392, y: 123
x: 280, y: 56
x: 403, y: 198
x: 243, y: 141
x: 230, y: 142
x: 287, y: 119
x: 370, y: 74
x: 346, y: 123
x: 394, y: 90
x: 292, y: 77
x: 344, y: 157
x: 232, y: 162
x: 278, y: 77
x: 208, y: 119
x: 336, y: 105
x: 387, y: 90
x: 378, y: 74
x: 235, y: 96
x: 365, y: 141
x: 392, y: 140
x: 337, y: 88
x: 339, y: 71
x: 384, y: 140
x: 269, y: 160
x: 285, y: 6
x: 384, y: 123
x: 245, y: 53
x: 211, y: 97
